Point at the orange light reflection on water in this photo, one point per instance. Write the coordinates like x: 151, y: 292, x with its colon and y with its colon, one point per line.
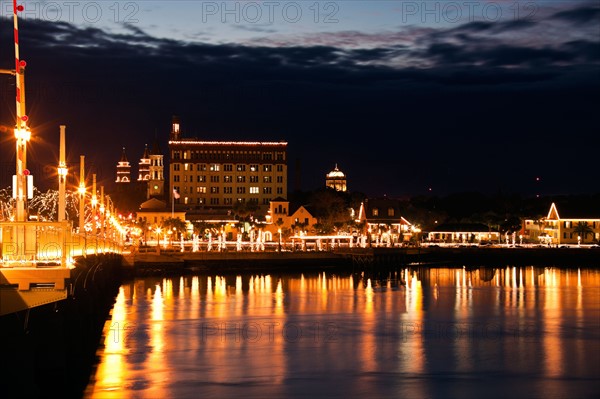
x: 231, y: 329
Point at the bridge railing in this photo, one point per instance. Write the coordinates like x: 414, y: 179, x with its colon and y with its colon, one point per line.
x: 36, y: 244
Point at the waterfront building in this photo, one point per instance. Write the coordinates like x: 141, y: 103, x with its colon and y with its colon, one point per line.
x: 383, y: 220
x: 294, y: 218
x: 336, y: 179
x: 217, y: 174
x: 570, y: 226
x: 463, y: 233
x: 151, y: 216
x: 154, y: 212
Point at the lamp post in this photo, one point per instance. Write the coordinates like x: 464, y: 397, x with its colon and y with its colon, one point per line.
x: 102, y: 211
x: 62, y: 177
x: 158, y: 240
x: 81, y: 195
x: 22, y: 135
x: 94, y: 205
x: 279, y: 231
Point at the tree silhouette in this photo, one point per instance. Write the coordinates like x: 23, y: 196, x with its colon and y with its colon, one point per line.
x: 583, y: 229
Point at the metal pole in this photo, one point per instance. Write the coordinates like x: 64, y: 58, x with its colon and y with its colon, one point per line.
x: 102, y: 210
x: 81, y: 194
x: 94, y: 204
x: 22, y: 132
x: 62, y: 177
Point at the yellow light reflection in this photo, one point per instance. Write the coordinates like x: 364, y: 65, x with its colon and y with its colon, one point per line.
x: 279, y: 298
x: 369, y: 297
x: 552, y: 326
x: 112, y: 370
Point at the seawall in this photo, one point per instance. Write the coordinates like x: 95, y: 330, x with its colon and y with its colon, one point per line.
x: 358, y: 258
x: 50, y: 350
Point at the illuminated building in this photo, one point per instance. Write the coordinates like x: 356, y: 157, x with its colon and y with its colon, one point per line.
x: 336, y: 179
x: 144, y: 166
x: 123, y: 170
x: 217, y: 174
x: 463, y: 233
x: 281, y: 216
x: 156, y: 181
x: 383, y: 220
x: 564, y: 228
x: 154, y: 212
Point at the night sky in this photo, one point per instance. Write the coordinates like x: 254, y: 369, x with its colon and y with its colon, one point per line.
x: 407, y: 100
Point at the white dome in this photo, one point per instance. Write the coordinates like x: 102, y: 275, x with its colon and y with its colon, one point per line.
x: 336, y: 174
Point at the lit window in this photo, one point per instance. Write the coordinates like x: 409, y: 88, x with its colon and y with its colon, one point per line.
x: 254, y: 190
x: 375, y: 212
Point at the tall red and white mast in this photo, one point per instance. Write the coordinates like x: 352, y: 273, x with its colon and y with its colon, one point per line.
x: 22, y: 132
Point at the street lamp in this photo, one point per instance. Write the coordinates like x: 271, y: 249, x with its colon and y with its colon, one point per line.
x: 279, y: 231
x: 158, y: 238
x: 22, y: 136
x: 81, y: 191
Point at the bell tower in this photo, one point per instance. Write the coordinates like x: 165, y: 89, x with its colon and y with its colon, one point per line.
x: 123, y: 170
x: 156, y: 182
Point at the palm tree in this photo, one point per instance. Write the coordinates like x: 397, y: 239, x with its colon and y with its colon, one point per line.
x: 174, y: 224
x: 583, y: 229
x: 244, y: 209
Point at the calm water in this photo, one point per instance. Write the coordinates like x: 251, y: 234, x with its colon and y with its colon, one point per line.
x: 514, y: 332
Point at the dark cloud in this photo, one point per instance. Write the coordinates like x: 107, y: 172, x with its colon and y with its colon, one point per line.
x: 448, y: 112
x: 492, y: 27
x: 579, y: 15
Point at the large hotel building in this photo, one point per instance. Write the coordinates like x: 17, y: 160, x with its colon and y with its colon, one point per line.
x: 217, y: 174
